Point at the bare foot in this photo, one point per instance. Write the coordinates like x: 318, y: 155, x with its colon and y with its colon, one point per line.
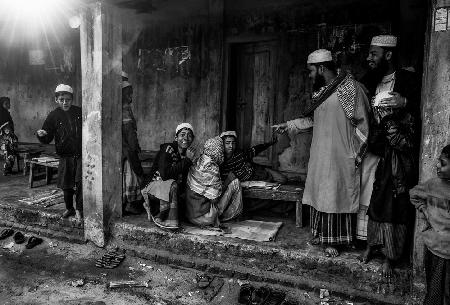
x: 386, y: 270
x: 314, y: 241
x: 331, y: 252
x: 366, y: 256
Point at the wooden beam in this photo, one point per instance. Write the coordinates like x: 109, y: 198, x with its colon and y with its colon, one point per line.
x: 101, y: 65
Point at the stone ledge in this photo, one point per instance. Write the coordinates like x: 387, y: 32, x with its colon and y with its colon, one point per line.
x: 259, y: 262
x: 40, y: 222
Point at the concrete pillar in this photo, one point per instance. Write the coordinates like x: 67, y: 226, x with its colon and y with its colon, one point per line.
x: 212, y: 85
x: 101, y: 64
x: 435, y: 109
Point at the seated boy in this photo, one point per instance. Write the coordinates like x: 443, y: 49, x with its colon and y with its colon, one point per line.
x: 8, y: 142
x: 168, y: 178
x: 238, y: 164
x: 432, y: 199
x: 208, y: 200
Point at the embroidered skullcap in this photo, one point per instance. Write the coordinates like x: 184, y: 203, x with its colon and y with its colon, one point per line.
x: 184, y: 125
x: 214, y: 149
x: 384, y: 41
x: 125, y: 84
x: 228, y: 133
x: 319, y: 56
x: 124, y: 74
x: 63, y: 88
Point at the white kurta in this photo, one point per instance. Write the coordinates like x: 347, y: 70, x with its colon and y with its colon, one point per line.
x: 333, y: 181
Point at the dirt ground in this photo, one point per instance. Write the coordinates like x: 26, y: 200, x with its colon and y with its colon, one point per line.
x: 48, y: 273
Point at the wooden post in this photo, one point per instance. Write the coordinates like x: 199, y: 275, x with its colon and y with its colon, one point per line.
x: 435, y: 111
x: 101, y: 65
x: 213, y: 87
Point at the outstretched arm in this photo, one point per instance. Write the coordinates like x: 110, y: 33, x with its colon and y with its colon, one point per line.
x: 296, y: 125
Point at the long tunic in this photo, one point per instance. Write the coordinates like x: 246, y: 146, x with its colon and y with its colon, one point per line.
x: 333, y: 181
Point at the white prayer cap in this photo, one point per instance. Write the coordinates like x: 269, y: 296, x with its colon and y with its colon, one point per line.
x: 229, y: 133
x: 389, y: 41
x: 184, y: 125
x: 124, y: 74
x: 319, y: 56
x: 125, y: 84
x: 63, y: 88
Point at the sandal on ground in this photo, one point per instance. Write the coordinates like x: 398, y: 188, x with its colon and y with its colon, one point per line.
x: 110, y: 260
x: 33, y: 242
x: 259, y: 296
x: 19, y: 238
x: 203, y: 280
x: 245, y: 294
x: 331, y: 252
x: 6, y: 233
x: 275, y: 298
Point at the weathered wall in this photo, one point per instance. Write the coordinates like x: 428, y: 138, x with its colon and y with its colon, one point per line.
x: 168, y: 92
x: 31, y: 87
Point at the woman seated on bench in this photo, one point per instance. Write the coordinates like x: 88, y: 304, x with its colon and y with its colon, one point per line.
x: 208, y: 201
x: 239, y: 163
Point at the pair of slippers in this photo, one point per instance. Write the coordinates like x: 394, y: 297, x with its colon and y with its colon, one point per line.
x: 210, y: 285
x: 250, y: 295
x: 110, y: 260
x: 19, y: 238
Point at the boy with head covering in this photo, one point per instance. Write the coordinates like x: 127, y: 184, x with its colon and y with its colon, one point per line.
x: 132, y: 173
x: 8, y: 142
x: 64, y: 126
x: 238, y: 164
x: 168, y: 178
x: 208, y: 201
x: 339, y: 117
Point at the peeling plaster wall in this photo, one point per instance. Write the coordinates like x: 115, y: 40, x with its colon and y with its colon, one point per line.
x: 31, y: 88
x: 168, y: 95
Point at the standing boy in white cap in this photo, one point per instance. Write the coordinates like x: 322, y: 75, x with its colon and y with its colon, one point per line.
x: 340, y: 117
x: 168, y: 178
x: 64, y: 126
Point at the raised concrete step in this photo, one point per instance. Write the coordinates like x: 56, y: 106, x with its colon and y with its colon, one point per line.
x: 306, y: 268
x: 47, y: 223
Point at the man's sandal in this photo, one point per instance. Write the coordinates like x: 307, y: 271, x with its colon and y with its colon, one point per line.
x: 203, y: 280
x: 6, y: 233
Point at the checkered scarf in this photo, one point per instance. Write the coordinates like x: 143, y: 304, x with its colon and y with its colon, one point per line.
x: 204, y: 175
x: 345, y: 87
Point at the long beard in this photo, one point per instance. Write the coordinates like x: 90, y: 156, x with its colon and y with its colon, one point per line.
x: 380, y: 71
x: 319, y: 82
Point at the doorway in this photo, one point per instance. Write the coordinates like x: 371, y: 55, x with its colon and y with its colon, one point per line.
x: 251, y: 95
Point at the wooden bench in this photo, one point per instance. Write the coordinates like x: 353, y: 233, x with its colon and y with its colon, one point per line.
x: 292, y: 193
x: 34, y: 166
